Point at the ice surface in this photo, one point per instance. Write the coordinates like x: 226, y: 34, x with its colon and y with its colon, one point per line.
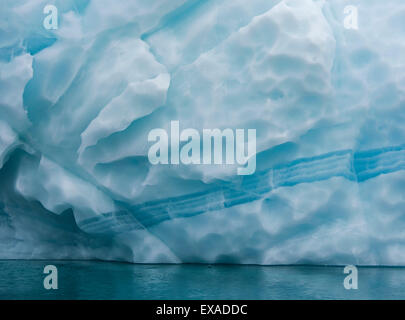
x: 328, y: 104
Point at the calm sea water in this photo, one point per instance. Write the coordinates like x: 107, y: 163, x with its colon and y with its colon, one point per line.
x: 105, y: 280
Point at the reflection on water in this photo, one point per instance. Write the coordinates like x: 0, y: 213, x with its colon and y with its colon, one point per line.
x: 105, y: 280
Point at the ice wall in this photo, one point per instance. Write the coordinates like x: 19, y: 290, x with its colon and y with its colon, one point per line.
x: 328, y: 104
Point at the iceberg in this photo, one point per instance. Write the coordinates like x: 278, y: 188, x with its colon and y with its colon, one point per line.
x: 327, y: 101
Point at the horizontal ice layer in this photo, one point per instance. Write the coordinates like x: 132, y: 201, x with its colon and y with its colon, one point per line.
x: 77, y: 104
x: 355, y: 167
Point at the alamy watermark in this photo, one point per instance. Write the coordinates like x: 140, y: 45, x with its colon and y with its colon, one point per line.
x: 351, y: 281
x: 215, y: 146
x: 51, y: 280
x: 51, y: 20
x: 351, y: 20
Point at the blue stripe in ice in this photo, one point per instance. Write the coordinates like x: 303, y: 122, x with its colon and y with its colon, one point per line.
x: 354, y: 166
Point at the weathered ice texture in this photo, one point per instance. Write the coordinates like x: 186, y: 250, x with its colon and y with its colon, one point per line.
x: 328, y: 104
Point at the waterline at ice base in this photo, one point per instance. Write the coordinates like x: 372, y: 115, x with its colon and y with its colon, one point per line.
x: 322, y: 83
